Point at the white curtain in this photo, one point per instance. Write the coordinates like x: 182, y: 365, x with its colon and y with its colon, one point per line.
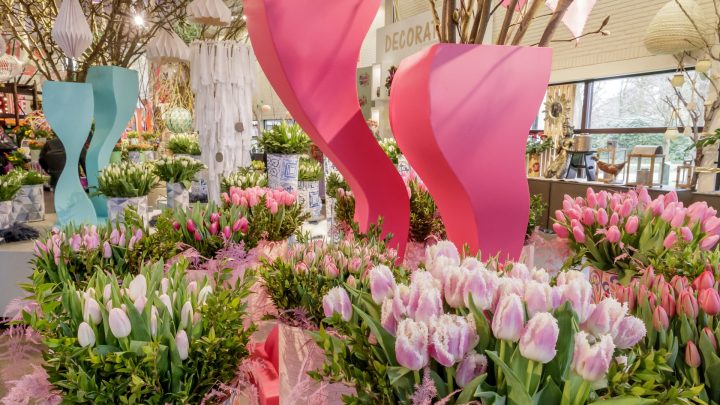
x: 223, y: 80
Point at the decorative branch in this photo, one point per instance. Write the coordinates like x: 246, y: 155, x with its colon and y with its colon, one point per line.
x: 525, y: 23
x: 557, y: 16
x: 506, y: 22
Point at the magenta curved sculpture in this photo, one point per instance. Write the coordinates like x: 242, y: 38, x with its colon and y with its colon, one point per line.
x: 309, y: 50
x: 461, y: 115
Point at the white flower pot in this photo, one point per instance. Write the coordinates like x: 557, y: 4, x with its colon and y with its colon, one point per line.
x: 283, y: 171
x: 6, y: 214
x: 116, y: 208
x: 135, y: 156
x: 403, y: 165
x: 309, y: 197
x: 29, y: 204
x: 199, y: 186
x: 177, y: 196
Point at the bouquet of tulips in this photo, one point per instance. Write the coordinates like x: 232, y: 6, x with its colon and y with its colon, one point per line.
x: 209, y: 228
x: 184, y: 144
x: 425, y: 219
x: 309, y: 169
x: 460, y: 332
x: 126, y: 180
x: 683, y: 325
x: 246, y: 177
x: 177, y: 170
x: 622, y: 231
x: 153, y: 338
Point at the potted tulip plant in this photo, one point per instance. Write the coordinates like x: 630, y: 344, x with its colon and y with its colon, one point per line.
x: 283, y: 145
x: 126, y: 185
x: 309, y: 176
x: 178, y: 173
x: 9, y: 186
x: 183, y: 144
x: 29, y: 202
x: 246, y: 177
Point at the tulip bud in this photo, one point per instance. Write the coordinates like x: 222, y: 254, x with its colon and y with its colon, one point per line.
x: 592, y: 362
x: 119, y: 323
x: 626, y: 208
x: 411, y: 344
x: 176, y: 225
x: 630, y: 331
x: 214, y: 228
x: 337, y: 301
x: 709, y: 301
x: 214, y: 217
x: 706, y: 279
x: 687, y: 234
x: 153, y: 321
x: 711, y: 337
x: 667, y: 301
x: 107, y: 292
x: 86, y: 336
x: 709, y: 242
x: 192, y: 287
x: 382, y: 283
x: 137, y: 287
x: 227, y: 232
x: 679, y: 283
x: 588, y: 217
x: 107, y: 250
x: 182, y: 343
x: 509, y: 318
x: 670, y: 240
x: 559, y: 216
x: 186, y: 314
x: 91, y: 311
x: 631, y: 226
x: 578, y: 234
x: 190, y: 224
x: 560, y: 230
x: 165, y: 299
x: 692, y: 356
x: 539, y: 338
x: 661, y: 323
x: 197, y: 236
x: 204, y: 294
x: 687, y: 305
x: 139, y: 303
x: 613, y: 234
x: 591, y: 198
x: 387, y: 318
x: 602, y: 217
x: 470, y: 367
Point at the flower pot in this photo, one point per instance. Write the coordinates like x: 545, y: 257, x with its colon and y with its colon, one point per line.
x: 136, y: 156
x: 116, y: 208
x: 309, y: 197
x: 29, y: 204
x: 35, y: 155
x: 602, y: 283
x: 403, y: 165
x: 199, y: 187
x: 177, y: 196
x: 6, y: 214
x: 116, y: 156
x: 283, y: 171
x: 149, y: 155
x: 298, y: 354
x: 460, y: 114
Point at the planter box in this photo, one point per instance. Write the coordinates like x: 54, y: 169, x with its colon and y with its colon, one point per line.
x: 177, y: 196
x: 116, y: 208
x: 29, y: 204
x: 6, y: 214
x: 309, y: 197
x: 283, y: 171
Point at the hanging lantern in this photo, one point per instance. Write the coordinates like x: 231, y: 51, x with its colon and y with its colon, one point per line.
x: 167, y: 46
x: 672, y: 134
x: 178, y: 120
x: 71, y: 31
x: 265, y: 108
x: 671, y: 31
x: 678, y: 80
x: 10, y: 67
x: 703, y: 65
x: 209, y: 12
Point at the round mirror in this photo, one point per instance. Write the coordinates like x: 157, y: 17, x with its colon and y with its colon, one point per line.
x: 556, y: 109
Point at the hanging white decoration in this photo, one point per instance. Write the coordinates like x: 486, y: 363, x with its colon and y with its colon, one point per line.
x: 209, y: 12
x: 223, y: 80
x: 671, y: 31
x: 10, y: 67
x: 71, y: 30
x: 3, y: 45
x: 167, y: 46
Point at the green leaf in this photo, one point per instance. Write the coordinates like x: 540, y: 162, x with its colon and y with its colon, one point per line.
x: 470, y: 388
x: 396, y: 373
x: 549, y: 394
x: 625, y: 401
x: 567, y: 323
x: 516, y: 389
x: 385, y: 339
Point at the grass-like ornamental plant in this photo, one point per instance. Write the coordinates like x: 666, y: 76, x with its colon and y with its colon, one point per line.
x: 9, y: 186
x: 178, y: 169
x: 155, y: 338
x: 284, y: 139
x: 425, y: 218
x: 246, y: 177
x: 126, y: 180
x: 310, y: 170
x: 183, y: 144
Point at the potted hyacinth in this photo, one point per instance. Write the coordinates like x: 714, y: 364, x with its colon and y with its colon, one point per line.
x: 178, y: 173
x: 156, y: 338
x: 29, y: 202
x: 9, y: 186
x: 126, y: 185
x: 460, y: 332
x: 283, y: 145
x: 246, y: 177
x: 309, y: 175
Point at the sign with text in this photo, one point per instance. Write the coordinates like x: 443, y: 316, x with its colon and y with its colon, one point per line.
x: 404, y: 38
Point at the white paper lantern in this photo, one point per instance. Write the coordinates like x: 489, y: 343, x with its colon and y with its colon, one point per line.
x: 671, y: 32
x: 167, y: 46
x: 71, y: 31
x: 209, y: 12
x: 703, y: 65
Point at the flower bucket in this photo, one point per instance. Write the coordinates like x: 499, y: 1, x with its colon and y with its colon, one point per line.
x: 116, y: 208
x: 6, y: 214
x: 136, y: 157
x: 309, y: 196
x: 283, y: 171
x: 298, y: 354
x: 29, y: 204
x: 177, y: 196
x: 115, y: 156
x: 602, y: 283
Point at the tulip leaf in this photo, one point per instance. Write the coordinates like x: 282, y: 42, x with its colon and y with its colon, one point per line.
x: 136, y: 347
x: 625, y: 401
x: 516, y: 389
x: 139, y: 327
x: 567, y: 323
x: 686, y: 332
x: 470, y: 388
x: 549, y: 394
x: 482, y: 327
x: 711, y: 365
x: 440, y: 384
x: 384, y: 338
x: 397, y: 373
x: 103, y: 350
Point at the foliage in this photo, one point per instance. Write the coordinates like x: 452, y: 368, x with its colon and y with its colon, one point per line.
x: 126, y: 180
x: 179, y: 339
x: 178, y: 169
x: 536, y: 146
x: 390, y: 147
x: 29, y: 177
x: 18, y: 158
x: 133, y: 135
x: 139, y: 147
x: 36, y: 145
x: 183, y: 144
x: 333, y: 182
x: 537, y: 208
x: 284, y: 139
x: 9, y: 186
x: 425, y: 219
x: 245, y: 177
x: 309, y: 170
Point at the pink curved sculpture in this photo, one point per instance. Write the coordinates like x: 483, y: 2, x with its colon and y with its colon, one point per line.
x: 461, y: 115
x: 309, y: 51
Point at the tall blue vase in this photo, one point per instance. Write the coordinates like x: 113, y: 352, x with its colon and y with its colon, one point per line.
x: 116, y: 93
x: 69, y: 111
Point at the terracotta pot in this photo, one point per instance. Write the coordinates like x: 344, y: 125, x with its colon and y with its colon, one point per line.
x: 461, y: 115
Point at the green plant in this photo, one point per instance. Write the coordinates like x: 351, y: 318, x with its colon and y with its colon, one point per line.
x: 133, y: 135
x: 150, y: 137
x: 178, y: 169
x: 536, y: 146
x: 284, y: 139
x: 425, y: 219
x: 245, y: 177
x: 9, y: 186
x: 310, y: 170
x: 28, y: 177
x: 333, y: 182
x: 258, y: 165
x: 184, y: 144
x: 126, y: 180
x: 154, y: 338
x: 390, y: 147
x: 537, y: 208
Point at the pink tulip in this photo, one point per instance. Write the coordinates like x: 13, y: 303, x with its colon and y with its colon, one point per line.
x: 661, y: 322
x: 709, y: 242
x: 451, y: 337
x: 214, y: 228
x: 678, y: 219
x: 591, y: 198
x: 481, y: 285
x: 687, y: 305
x: 190, y: 226
x: 711, y: 225
x: 630, y: 331
x: 667, y: 301
x: 706, y: 279
x: 631, y: 226
x: 538, y: 297
x: 560, y: 230
x: 425, y: 298
x: 454, y: 286
x: 337, y: 301
x: 592, y: 362
x: 579, y: 234
x: 709, y: 301
x: 626, y: 209
x: 644, y: 196
x: 227, y: 232
x: 331, y: 269
x: 559, y: 216
x: 509, y: 318
x: 411, y: 344
x: 75, y: 243
x: 602, y: 217
x: 387, y: 318
x: 196, y: 236
x: 214, y: 217
x: 240, y: 225
x: 696, y: 211
x: 382, y: 283
x: 236, y: 199
x: 579, y: 293
x: 614, y: 219
x: 606, y: 317
x: 711, y: 337
x: 613, y: 234
x: 107, y: 251
x: 687, y: 234
x: 176, y: 225
x: 657, y: 207
x: 671, y: 197
x: 626, y: 295
x: 668, y: 213
x: 588, y: 216
x: 692, y: 356
x: 470, y: 367
x: 539, y: 338
x: 679, y: 283
x: 670, y: 240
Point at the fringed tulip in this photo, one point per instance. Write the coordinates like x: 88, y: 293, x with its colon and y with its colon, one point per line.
x: 579, y: 293
x: 709, y: 301
x: 692, y: 356
x: 382, y: 283
x: 119, y: 323
x: 470, y: 367
x: 425, y: 298
x: 411, y: 344
x: 387, y: 318
x: 182, y: 344
x: 86, y: 336
x: 454, y: 286
x: 539, y: 338
x: 450, y: 338
x: 630, y: 331
x: 509, y: 318
x: 592, y: 362
x: 439, y: 256
x: 538, y: 297
x: 481, y: 285
x: 606, y: 317
x: 337, y: 301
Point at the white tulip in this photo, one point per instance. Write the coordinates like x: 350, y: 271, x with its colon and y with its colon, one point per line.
x: 107, y: 292
x: 166, y: 300
x: 109, y: 305
x: 192, y: 287
x: 204, y: 294
x: 186, y: 314
x: 90, y: 292
x: 140, y: 303
x: 153, y: 321
x: 137, y: 287
x: 181, y: 341
x: 91, y: 311
x: 119, y: 323
x: 164, y: 283
x: 86, y: 336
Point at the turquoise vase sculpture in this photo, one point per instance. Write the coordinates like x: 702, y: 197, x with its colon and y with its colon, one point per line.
x: 69, y: 111
x: 115, y: 91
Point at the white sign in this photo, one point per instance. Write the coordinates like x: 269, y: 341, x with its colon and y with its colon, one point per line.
x: 402, y: 39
